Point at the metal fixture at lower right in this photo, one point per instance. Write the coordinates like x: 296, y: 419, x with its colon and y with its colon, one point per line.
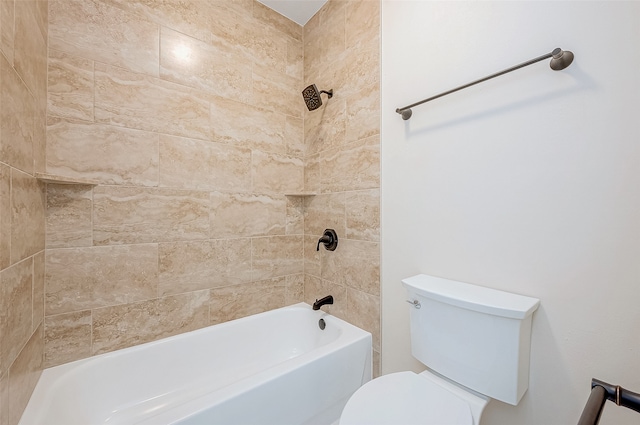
x: 560, y: 59
x: 600, y: 393
x: 329, y: 239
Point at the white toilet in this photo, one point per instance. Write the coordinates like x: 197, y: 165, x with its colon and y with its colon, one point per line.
x: 474, y: 340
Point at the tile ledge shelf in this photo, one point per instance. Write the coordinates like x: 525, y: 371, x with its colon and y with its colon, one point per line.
x: 301, y: 194
x: 56, y: 179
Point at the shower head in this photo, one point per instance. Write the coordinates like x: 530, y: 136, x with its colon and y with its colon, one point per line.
x: 312, y: 98
x: 560, y: 59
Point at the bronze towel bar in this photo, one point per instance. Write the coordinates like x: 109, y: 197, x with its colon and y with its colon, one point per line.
x: 560, y: 60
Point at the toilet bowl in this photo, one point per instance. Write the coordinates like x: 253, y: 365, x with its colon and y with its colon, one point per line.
x: 475, y: 342
x: 412, y: 399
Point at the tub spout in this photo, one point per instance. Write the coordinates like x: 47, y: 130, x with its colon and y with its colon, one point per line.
x: 322, y: 301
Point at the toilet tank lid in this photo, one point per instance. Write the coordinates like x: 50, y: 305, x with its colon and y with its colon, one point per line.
x: 472, y: 297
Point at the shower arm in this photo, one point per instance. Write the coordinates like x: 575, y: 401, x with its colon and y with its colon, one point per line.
x: 556, y: 54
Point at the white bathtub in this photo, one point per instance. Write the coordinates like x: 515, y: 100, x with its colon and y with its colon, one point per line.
x: 274, y: 368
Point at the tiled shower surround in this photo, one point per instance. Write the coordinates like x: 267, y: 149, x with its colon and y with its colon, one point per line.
x: 23, y: 101
x: 342, y: 162
x: 189, y: 119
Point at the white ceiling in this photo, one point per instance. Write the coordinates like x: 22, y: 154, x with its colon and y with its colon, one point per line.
x: 299, y: 11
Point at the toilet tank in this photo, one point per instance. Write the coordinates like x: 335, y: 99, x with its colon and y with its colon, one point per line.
x: 476, y: 336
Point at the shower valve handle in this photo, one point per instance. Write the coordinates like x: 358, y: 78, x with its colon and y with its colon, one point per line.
x: 329, y: 239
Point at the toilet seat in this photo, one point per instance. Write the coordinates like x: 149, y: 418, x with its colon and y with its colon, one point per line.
x: 405, y: 398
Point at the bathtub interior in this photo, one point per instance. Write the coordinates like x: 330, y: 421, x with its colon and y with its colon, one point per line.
x: 175, y: 371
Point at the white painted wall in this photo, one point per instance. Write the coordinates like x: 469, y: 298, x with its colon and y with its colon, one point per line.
x: 528, y: 183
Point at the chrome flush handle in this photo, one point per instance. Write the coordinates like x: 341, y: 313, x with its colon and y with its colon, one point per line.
x: 414, y: 303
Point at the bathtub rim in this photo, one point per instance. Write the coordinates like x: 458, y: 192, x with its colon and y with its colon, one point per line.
x: 61, y: 369
x: 54, y: 377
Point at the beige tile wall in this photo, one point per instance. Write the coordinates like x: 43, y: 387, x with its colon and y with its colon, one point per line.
x: 186, y: 114
x: 23, y: 80
x: 342, y: 158
x: 189, y: 116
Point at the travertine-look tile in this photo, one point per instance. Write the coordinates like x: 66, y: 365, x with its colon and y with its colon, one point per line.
x: 275, y: 256
x: 331, y: 43
x: 312, y: 173
x: 197, y: 164
x: 4, y: 399
x: 231, y: 167
x: 204, y: 66
x: 39, y: 143
x: 356, y: 71
x: 132, y: 324
x: 342, y: 153
x: 363, y: 113
x: 68, y: 216
x: 124, y: 215
x: 294, y: 289
x: 42, y: 18
x: 312, y: 264
x: 312, y: 54
x: 277, y: 173
x: 363, y: 25
x: 247, y: 126
x: 295, y: 215
x: 7, y: 8
x: 192, y: 266
x: 37, y: 311
x: 233, y: 26
x: 137, y: 101
x: 185, y: 163
x: 363, y: 215
x: 325, y: 127
x: 16, y: 303
x: 269, y: 47
x: 27, y: 216
x: 237, y: 17
x: 326, y: 42
x: 103, y: 153
x: 85, y: 278
x: 295, y: 59
x: 5, y: 216
x: 363, y: 310
x: 277, y: 92
x: 67, y: 337
x: 332, y: 11
x: 24, y: 375
x: 30, y: 48
x: 242, y: 214
x: 352, y: 167
x: 316, y: 288
x: 325, y: 211
x: 111, y: 36
x: 236, y: 301
x: 355, y: 264
x: 310, y: 27
x: 70, y: 86
x: 277, y: 21
x: 294, y: 136
x: 17, y: 115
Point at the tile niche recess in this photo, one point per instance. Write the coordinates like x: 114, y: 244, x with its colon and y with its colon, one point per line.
x: 54, y: 178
